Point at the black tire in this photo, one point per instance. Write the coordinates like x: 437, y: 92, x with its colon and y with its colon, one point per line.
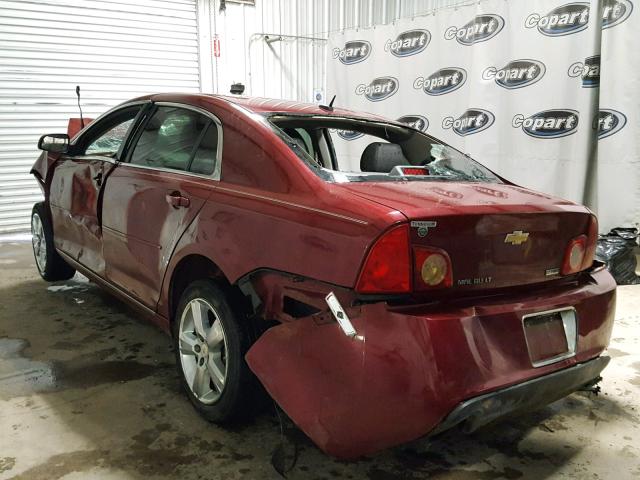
x: 235, y: 401
x: 51, y: 265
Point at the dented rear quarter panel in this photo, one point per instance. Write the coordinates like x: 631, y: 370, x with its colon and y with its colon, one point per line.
x: 243, y: 230
x: 269, y: 211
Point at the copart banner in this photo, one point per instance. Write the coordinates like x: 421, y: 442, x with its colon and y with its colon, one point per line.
x: 516, y: 85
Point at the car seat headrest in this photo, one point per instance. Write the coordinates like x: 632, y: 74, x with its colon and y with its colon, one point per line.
x: 382, y: 157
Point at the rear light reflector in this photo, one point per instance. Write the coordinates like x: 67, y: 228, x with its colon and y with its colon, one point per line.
x: 574, y: 255
x: 387, y: 268
x: 432, y: 268
x: 592, y: 241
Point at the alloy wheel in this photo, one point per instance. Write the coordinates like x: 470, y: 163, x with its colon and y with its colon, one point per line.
x: 203, y: 350
x: 39, y: 242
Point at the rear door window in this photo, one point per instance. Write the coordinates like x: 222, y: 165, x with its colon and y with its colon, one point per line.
x: 205, y: 158
x: 177, y: 139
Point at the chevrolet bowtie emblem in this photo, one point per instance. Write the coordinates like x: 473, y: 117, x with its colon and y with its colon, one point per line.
x: 518, y: 237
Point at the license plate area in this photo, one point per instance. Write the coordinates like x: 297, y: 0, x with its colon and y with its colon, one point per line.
x: 551, y: 336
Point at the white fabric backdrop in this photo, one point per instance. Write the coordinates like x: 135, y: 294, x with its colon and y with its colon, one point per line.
x: 495, y: 65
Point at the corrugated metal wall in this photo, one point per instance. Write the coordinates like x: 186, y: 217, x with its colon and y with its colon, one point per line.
x: 293, y: 67
x: 344, y: 14
x: 288, y: 67
x: 114, y: 49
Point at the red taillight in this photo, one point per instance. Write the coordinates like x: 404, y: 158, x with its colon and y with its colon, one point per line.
x: 432, y: 268
x: 581, y: 250
x: 387, y: 268
x: 574, y: 255
x: 592, y: 240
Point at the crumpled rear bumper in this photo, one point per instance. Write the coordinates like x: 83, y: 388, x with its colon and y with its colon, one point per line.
x: 410, y: 369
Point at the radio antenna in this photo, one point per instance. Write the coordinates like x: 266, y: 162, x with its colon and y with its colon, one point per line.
x: 328, y: 108
x: 79, y: 107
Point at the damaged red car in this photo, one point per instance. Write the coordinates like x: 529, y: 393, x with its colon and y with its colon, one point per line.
x: 380, y: 285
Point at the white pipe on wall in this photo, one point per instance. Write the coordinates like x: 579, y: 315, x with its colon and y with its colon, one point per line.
x: 270, y: 38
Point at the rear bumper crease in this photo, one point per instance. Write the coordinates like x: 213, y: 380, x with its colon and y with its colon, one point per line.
x: 537, y: 392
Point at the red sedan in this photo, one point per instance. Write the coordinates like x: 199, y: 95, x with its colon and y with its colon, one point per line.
x: 381, y: 285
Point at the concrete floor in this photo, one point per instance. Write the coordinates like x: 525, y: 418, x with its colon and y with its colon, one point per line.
x: 89, y: 391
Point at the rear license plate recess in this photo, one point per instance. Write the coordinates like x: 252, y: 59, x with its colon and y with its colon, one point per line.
x: 550, y: 335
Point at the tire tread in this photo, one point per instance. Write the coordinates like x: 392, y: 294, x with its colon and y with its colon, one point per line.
x: 55, y: 267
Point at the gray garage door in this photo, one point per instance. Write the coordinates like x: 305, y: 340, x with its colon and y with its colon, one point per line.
x: 113, y: 49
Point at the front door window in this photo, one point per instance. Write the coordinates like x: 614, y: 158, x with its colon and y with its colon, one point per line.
x: 106, y: 137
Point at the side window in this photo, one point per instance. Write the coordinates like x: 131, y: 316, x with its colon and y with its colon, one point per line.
x: 169, y: 139
x: 204, y: 160
x: 302, y: 139
x: 107, y: 137
x: 306, y: 138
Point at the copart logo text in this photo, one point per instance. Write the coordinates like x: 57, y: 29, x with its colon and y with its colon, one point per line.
x: 480, y: 29
x: 516, y: 74
x: 589, y: 71
x: 415, y: 121
x: 609, y: 122
x: 563, y: 20
x: 472, y: 121
x: 548, y: 123
x: 442, y: 81
x: 614, y: 12
x: 574, y: 17
x: 354, y: 51
x: 379, y: 89
x: 408, y: 43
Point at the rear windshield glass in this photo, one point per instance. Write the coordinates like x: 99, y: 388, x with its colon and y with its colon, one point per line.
x: 352, y: 150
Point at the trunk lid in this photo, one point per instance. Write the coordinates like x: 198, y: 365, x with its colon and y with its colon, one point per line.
x: 496, y: 235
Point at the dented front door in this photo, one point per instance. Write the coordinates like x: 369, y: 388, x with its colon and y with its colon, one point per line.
x: 75, y: 198
x: 79, y: 181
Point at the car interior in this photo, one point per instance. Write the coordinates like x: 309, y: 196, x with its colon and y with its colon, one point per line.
x: 168, y: 139
x: 172, y: 138
x: 316, y: 139
x: 362, y: 150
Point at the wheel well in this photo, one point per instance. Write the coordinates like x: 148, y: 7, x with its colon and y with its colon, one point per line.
x: 190, y: 269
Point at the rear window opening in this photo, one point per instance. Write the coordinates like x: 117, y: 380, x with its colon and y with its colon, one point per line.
x: 341, y: 149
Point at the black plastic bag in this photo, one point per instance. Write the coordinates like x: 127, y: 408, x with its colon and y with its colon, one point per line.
x: 617, y: 251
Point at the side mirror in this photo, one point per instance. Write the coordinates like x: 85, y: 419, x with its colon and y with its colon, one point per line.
x: 55, y: 143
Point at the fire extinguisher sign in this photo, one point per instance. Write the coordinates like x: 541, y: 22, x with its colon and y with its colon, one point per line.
x: 216, y: 46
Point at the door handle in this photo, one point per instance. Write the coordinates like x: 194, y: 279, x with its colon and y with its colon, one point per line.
x: 98, y: 178
x: 176, y: 200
